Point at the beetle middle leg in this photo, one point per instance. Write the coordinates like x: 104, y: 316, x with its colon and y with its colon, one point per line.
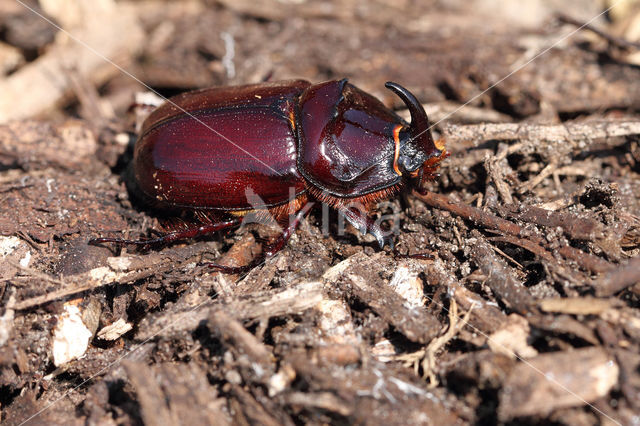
x: 270, y: 249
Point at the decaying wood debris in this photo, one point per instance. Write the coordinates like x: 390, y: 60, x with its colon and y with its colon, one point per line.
x: 513, y: 292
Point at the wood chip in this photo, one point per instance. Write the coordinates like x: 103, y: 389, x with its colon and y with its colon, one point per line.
x: 557, y: 380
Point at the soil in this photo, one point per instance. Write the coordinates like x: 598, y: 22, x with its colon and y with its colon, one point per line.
x: 512, y: 295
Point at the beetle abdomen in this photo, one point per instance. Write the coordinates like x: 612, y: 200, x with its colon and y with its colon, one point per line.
x: 227, y: 148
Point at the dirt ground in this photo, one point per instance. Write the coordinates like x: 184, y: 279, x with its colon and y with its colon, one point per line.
x: 526, y: 312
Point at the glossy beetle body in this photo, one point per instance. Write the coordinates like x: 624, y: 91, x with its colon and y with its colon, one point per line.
x: 233, y: 139
x: 288, y: 143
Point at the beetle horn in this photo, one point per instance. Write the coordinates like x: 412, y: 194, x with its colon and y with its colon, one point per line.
x: 420, y: 130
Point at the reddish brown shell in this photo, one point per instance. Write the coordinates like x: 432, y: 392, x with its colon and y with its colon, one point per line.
x: 346, y: 145
x: 232, y: 140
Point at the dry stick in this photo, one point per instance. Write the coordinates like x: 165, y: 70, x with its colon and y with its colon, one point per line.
x: 485, y: 317
x: 497, y: 176
x: 527, y: 245
x: 544, y: 173
x: 293, y: 300
x: 500, y: 278
x: 491, y: 221
x: 616, y: 41
x: 619, y: 279
x: 233, y: 334
x: 586, y: 261
x: 125, y: 269
x: 477, y: 216
x: 420, y: 327
x: 578, y: 228
x: 552, y: 263
x: 460, y: 137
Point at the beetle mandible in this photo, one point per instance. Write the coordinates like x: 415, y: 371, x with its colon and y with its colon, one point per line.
x: 290, y: 143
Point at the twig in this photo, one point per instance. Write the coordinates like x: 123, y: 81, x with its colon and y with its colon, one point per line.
x: 616, y: 41
x: 477, y: 216
x: 486, y: 317
x: 532, y: 183
x: 586, y: 261
x: 461, y: 137
x: 576, y: 227
x: 500, y: 278
x: 123, y: 270
x: 234, y: 335
x: 496, y: 173
x: 270, y: 304
x: 455, y: 325
x: 619, y: 279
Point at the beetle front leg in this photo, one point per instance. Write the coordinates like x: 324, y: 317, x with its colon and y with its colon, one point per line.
x: 366, y: 225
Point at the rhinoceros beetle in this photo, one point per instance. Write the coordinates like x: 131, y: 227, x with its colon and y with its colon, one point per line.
x: 288, y: 143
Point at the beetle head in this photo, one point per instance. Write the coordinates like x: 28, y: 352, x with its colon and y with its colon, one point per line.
x: 418, y: 156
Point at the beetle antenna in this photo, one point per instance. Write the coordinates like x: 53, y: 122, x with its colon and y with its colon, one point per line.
x: 420, y: 129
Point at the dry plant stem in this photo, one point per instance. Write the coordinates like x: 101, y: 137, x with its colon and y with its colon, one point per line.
x: 234, y: 335
x: 575, y: 227
x: 496, y: 173
x: 293, y: 300
x: 527, y: 245
x: 468, y: 212
x: 426, y: 358
x: 586, y: 261
x: 416, y: 325
x: 462, y: 137
x: 616, y: 41
x: 546, y: 172
x: 486, y: 317
x: 138, y: 267
x: 429, y: 361
x: 619, y: 279
x: 500, y: 278
x: 561, y: 270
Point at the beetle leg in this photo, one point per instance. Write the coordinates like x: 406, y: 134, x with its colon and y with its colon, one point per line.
x: 192, y: 232
x: 366, y: 225
x: 270, y: 249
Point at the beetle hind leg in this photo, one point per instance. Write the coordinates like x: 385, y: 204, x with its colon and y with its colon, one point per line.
x: 191, y: 231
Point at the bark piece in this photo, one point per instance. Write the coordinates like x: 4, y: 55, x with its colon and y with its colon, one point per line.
x: 557, y: 380
x: 500, y: 278
x: 619, y: 279
x: 101, y: 29
x: 172, y: 394
x: 358, y: 275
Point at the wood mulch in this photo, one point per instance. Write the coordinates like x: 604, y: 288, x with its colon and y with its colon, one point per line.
x: 525, y: 310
